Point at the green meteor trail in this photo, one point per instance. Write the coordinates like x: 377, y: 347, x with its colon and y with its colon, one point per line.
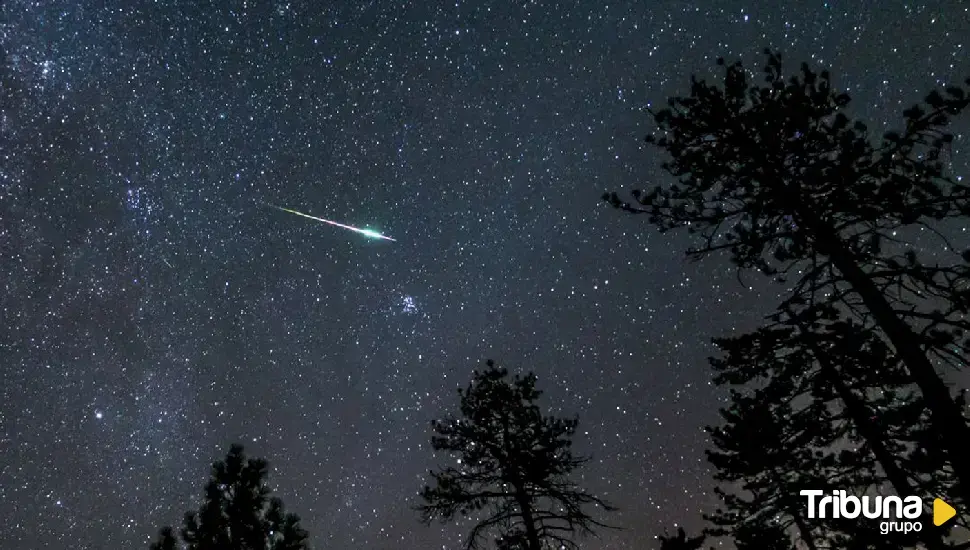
x: 366, y: 232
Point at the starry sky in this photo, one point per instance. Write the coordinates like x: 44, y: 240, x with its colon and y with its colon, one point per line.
x: 154, y: 310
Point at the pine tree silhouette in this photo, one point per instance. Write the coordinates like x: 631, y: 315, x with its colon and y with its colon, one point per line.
x: 166, y: 540
x: 777, y: 176
x: 514, y: 467
x: 766, y: 535
x: 800, y: 421
x: 681, y: 541
x: 237, y: 512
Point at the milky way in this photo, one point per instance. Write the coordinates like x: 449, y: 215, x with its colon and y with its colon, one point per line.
x: 152, y: 313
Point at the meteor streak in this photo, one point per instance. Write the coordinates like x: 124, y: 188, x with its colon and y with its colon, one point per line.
x: 366, y: 232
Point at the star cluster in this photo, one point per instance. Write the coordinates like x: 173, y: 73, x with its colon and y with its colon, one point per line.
x: 153, y: 311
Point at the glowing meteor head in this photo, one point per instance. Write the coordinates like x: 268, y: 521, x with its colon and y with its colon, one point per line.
x: 371, y: 233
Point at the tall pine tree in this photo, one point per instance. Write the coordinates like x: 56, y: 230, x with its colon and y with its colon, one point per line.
x: 237, y: 512
x: 800, y: 421
x: 681, y: 541
x: 513, y: 470
x: 783, y: 180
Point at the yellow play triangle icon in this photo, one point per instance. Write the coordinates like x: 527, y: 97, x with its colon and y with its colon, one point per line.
x: 942, y: 512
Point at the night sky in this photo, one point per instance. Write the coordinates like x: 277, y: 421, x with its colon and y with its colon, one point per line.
x: 153, y: 310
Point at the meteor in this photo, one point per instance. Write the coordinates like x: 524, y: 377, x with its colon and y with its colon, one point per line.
x: 366, y: 232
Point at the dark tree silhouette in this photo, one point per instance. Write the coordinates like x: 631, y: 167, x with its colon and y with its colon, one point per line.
x: 237, y: 512
x: 800, y: 420
x: 681, y: 541
x: 762, y: 536
x: 513, y: 468
x: 756, y: 450
x: 782, y: 180
x: 166, y: 540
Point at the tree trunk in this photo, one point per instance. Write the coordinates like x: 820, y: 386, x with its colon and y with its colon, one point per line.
x: 859, y: 415
x: 857, y: 411
x: 531, y: 530
x: 947, y: 418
